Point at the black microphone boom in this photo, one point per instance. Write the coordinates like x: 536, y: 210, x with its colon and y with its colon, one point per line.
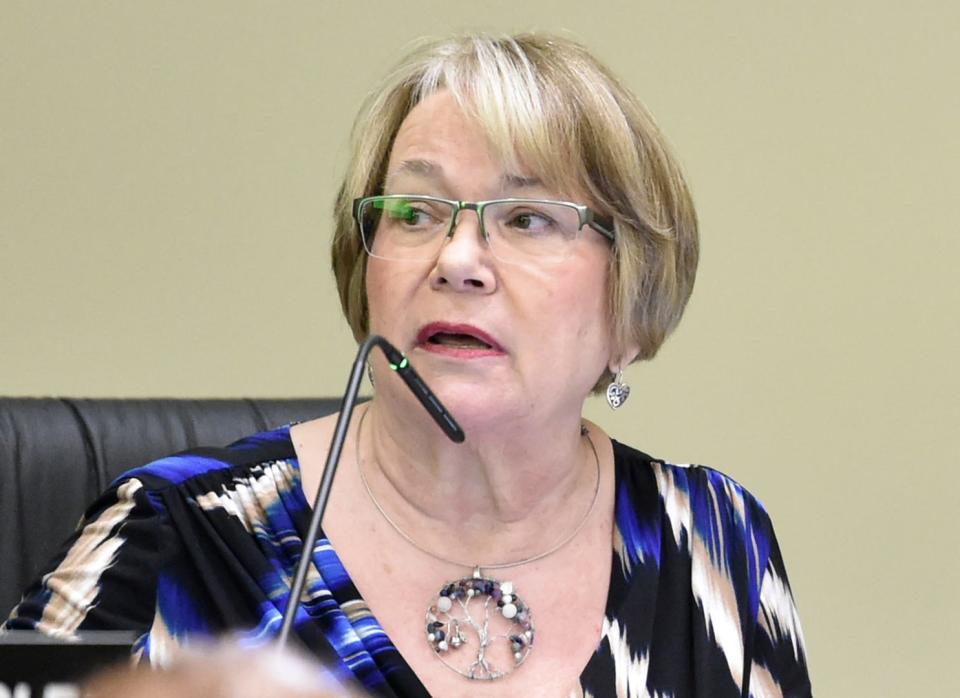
x: 400, y: 364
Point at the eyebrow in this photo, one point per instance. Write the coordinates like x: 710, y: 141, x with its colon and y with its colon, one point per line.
x: 512, y: 181
x: 433, y: 171
x: 424, y: 168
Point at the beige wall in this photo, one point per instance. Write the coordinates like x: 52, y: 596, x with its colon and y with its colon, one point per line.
x: 166, y: 175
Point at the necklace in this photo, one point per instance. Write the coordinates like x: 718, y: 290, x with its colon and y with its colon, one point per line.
x: 479, y: 609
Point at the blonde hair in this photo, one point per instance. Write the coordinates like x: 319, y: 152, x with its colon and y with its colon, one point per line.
x: 544, y: 101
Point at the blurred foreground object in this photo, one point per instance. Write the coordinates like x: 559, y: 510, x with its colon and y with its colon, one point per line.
x: 223, y: 670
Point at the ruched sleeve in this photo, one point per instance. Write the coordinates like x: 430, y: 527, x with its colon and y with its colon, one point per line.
x: 105, y: 576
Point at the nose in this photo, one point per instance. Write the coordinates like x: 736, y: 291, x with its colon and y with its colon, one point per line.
x: 464, y: 263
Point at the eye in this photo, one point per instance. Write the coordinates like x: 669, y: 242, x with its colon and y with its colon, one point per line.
x: 405, y: 213
x: 530, y: 221
x: 411, y: 212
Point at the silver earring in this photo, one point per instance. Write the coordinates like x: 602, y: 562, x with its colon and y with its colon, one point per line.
x: 370, y: 374
x: 617, y: 392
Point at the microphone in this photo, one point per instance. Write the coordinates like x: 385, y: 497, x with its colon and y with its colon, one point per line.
x: 400, y: 364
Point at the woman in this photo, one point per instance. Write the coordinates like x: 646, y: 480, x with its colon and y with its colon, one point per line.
x: 512, y: 220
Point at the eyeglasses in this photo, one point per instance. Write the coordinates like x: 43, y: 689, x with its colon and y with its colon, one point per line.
x: 414, y: 228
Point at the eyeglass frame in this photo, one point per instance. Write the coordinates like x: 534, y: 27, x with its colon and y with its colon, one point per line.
x: 586, y: 215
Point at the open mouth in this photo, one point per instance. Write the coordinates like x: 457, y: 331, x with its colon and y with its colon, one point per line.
x: 462, y: 339
x: 458, y: 340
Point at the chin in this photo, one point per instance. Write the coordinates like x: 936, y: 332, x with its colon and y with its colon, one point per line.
x: 481, y: 404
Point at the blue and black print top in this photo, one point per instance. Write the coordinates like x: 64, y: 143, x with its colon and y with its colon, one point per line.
x: 207, y: 541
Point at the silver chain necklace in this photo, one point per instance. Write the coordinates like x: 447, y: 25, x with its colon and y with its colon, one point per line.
x: 504, y: 634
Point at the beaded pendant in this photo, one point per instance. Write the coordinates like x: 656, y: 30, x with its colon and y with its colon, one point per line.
x: 479, y: 627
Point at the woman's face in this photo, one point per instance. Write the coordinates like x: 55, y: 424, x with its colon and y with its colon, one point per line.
x: 495, y: 340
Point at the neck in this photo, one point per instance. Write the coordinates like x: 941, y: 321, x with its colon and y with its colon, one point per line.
x: 505, y: 494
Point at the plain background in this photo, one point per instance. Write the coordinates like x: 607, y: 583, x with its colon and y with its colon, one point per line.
x: 167, y: 171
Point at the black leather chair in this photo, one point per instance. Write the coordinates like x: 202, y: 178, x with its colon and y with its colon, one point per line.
x: 56, y: 455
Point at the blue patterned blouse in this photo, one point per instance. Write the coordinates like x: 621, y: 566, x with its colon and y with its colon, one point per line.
x: 206, y: 541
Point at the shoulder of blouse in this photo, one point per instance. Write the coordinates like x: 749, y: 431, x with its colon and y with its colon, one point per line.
x: 178, y: 468
x: 729, y: 539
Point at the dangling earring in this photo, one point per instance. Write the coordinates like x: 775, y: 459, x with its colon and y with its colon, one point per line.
x: 617, y: 391
x: 370, y: 374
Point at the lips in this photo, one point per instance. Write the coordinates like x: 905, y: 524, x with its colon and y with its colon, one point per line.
x: 458, y: 340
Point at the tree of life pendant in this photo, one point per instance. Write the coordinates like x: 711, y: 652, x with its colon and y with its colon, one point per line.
x: 479, y: 627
